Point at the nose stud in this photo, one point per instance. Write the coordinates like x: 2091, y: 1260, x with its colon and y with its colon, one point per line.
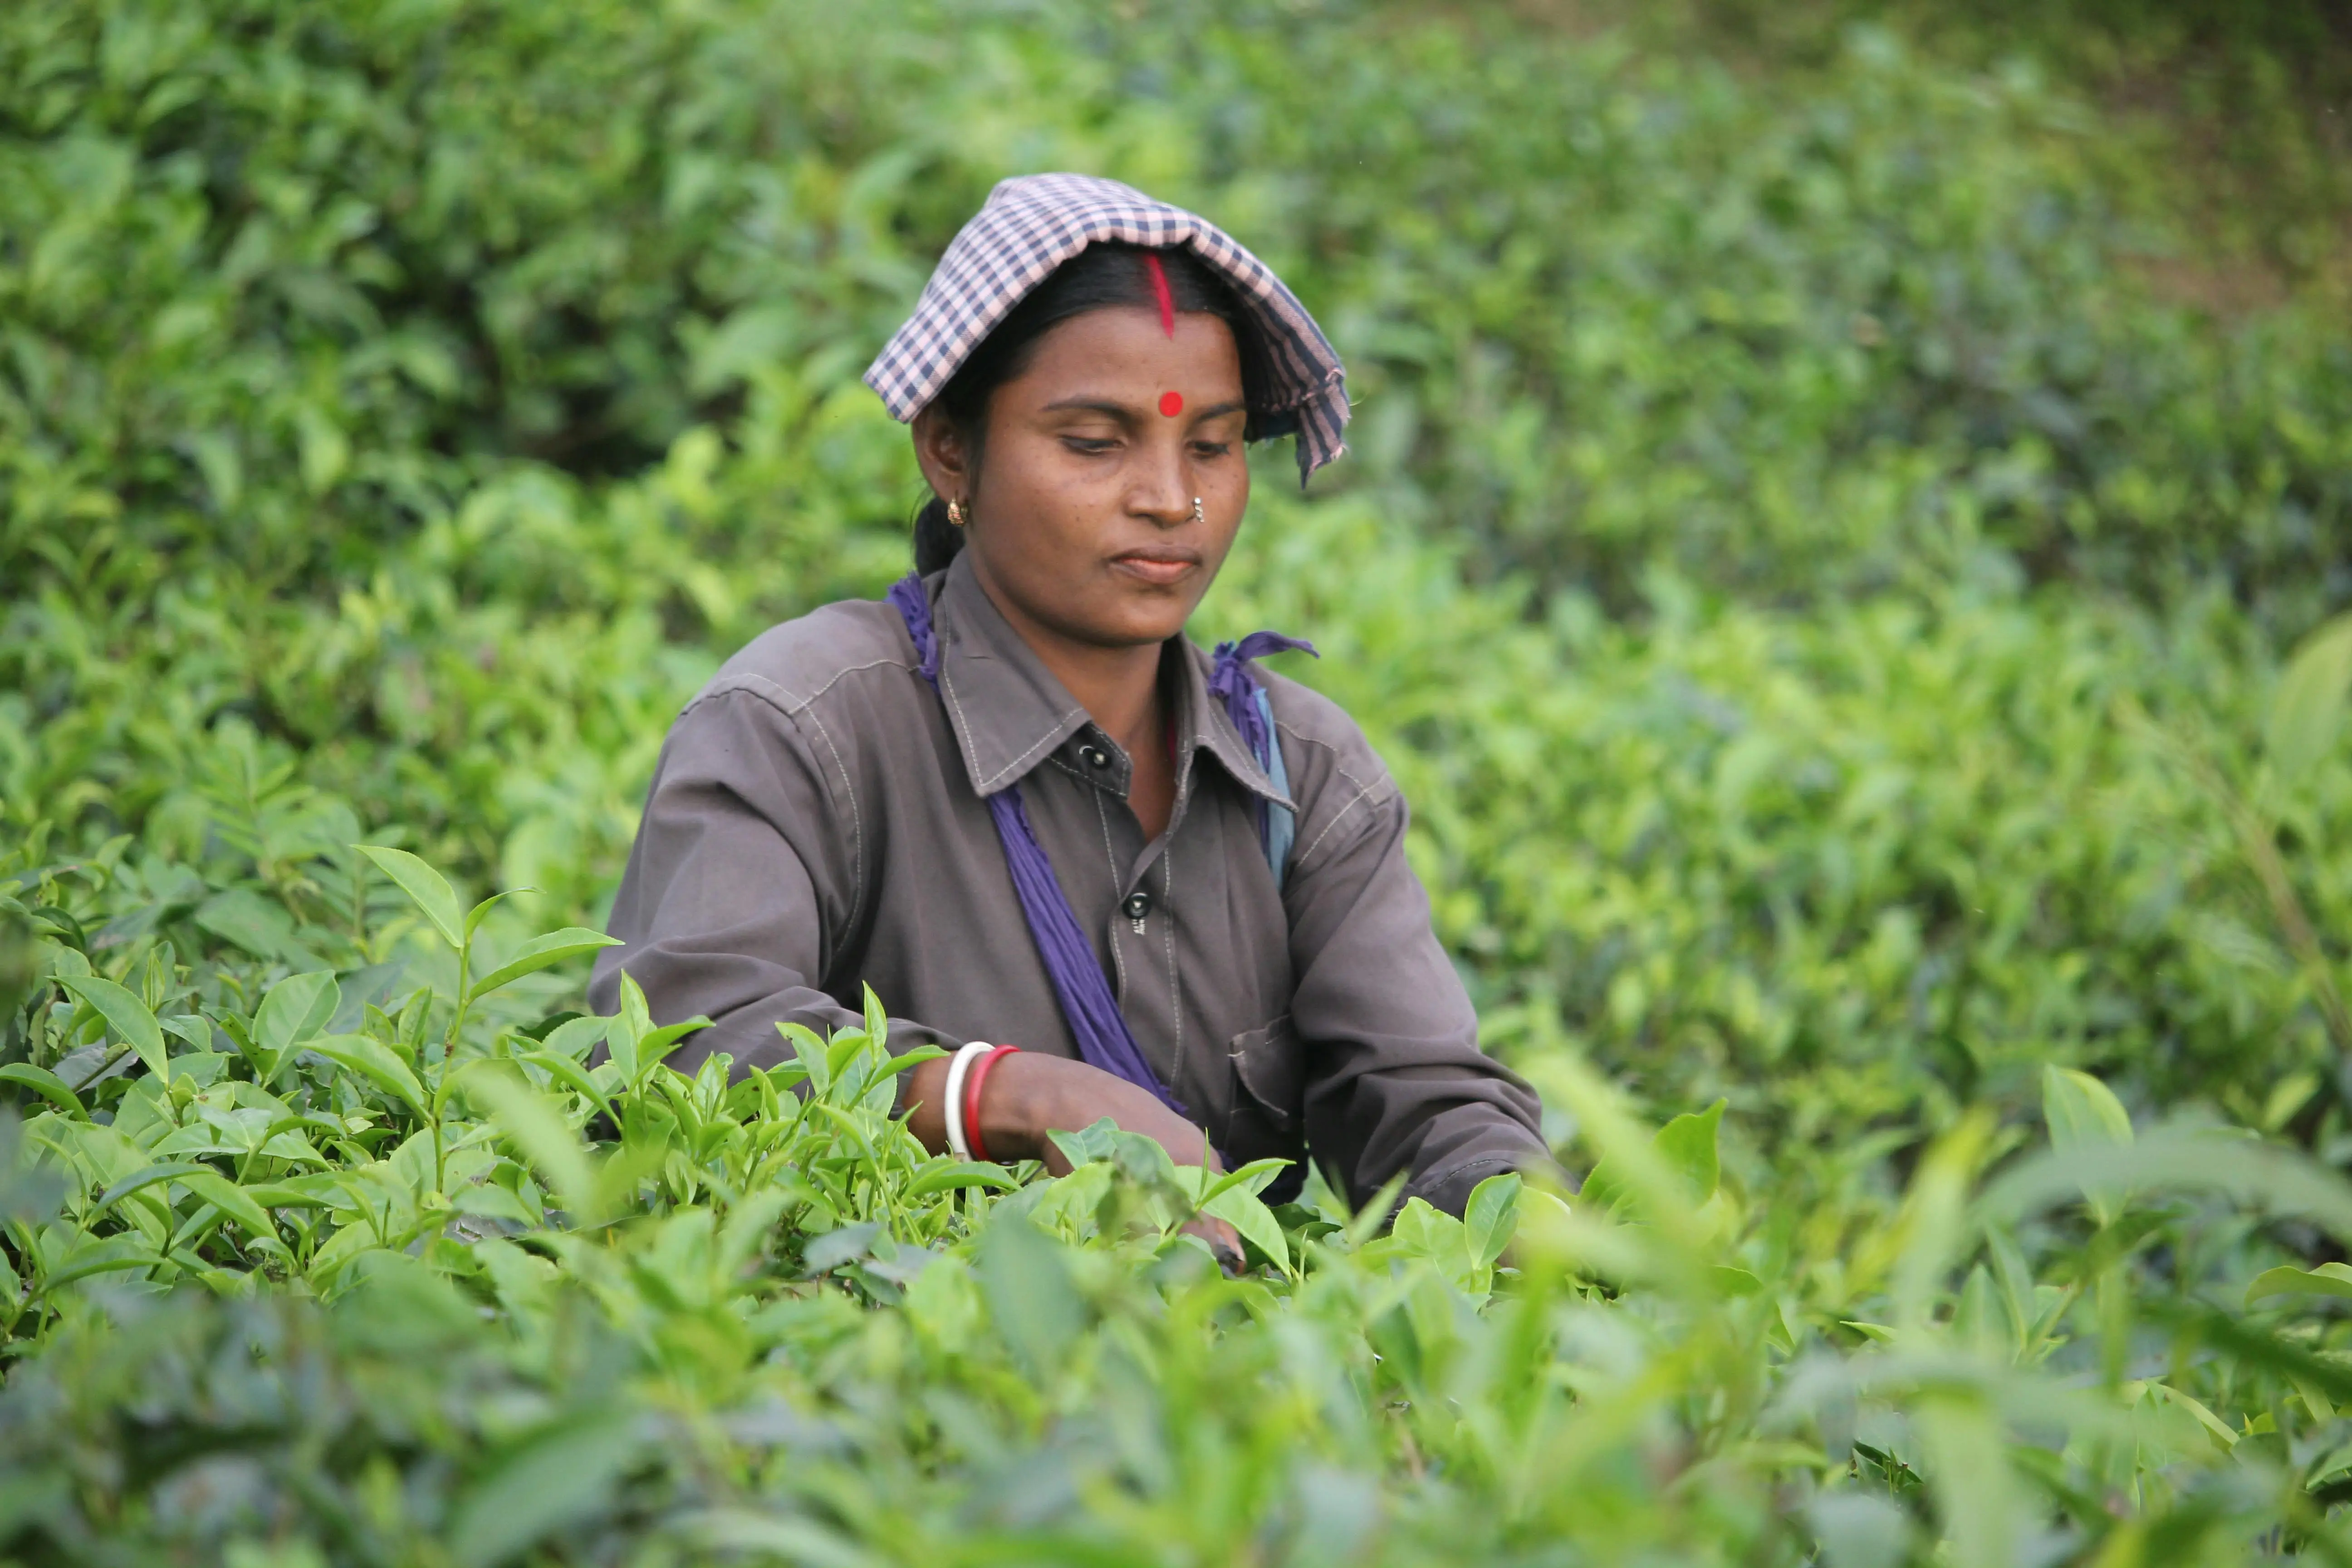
x: 1196, y: 510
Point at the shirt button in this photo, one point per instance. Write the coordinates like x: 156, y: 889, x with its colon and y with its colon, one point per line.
x: 1096, y: 757
x: 1138, y: 905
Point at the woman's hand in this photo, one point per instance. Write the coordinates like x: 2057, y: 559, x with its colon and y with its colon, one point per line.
x: 1028, y: 1095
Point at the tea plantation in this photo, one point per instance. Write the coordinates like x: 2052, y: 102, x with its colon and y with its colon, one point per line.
x: 1843, y: 574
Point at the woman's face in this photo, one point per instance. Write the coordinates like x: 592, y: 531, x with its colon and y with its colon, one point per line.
x: 1081, y: 515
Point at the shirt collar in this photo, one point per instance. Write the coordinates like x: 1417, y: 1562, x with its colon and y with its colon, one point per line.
x: 1010, y: 714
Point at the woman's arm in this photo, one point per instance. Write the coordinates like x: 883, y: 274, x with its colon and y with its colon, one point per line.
x: 740, y: 869
x: 1394, y: 1077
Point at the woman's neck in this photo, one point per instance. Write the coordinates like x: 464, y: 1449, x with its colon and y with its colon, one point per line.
x: 1119, y: 688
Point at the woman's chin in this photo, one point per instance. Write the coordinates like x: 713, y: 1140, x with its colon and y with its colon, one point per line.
x: 1135, y: 618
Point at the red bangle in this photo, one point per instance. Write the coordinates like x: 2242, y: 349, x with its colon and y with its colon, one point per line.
x: 972, y: 1081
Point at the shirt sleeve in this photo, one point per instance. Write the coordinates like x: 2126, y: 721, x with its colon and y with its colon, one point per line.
x: 1394, y: 1079
x: 739, y: 882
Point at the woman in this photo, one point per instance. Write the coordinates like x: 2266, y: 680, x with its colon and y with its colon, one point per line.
x: 1016, y: 801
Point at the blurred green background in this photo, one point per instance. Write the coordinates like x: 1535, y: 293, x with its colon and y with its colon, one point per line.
x: 1832, y: 485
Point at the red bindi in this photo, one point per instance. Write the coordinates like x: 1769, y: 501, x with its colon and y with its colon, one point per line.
x: 1172, y: 404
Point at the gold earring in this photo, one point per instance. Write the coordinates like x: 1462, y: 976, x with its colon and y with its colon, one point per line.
x: 955, y: 514
x: 1196, y: 510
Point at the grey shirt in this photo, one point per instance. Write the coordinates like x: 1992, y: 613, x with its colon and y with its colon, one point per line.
x: 817, y: 825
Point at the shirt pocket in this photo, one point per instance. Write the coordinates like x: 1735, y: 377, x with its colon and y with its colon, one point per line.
x: 1269, y: 1079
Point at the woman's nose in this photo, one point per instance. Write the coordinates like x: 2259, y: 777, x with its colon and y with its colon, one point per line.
x: 1165, y: 494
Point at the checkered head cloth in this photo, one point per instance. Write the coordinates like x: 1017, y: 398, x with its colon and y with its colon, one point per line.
x: 1032, y: 225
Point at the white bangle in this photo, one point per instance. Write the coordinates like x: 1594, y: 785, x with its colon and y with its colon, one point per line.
x: 960, y: 1064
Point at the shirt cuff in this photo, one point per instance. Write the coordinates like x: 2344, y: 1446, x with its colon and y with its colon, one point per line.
x: 1450, y: 1189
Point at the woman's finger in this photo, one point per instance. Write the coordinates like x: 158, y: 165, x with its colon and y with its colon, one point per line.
x: 1224, y: 1243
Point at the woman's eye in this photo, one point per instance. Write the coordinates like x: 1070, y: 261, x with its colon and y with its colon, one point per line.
x: 1213, y: 448
x: 1089, y: 446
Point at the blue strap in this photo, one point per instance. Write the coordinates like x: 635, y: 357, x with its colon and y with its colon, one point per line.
x: 1277, y: 825
x: 1235, y: 685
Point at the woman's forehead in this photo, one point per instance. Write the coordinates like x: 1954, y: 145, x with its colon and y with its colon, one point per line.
x: 1124, y: 350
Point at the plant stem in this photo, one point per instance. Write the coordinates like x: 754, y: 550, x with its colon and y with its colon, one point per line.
x: 448, y: 1054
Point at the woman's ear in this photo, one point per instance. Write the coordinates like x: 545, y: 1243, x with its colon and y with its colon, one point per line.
x: 944, y: 454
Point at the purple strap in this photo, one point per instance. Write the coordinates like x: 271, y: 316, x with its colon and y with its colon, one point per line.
x: 1100, y: 1028
x: 914, y: 606
x: 1233, y: 684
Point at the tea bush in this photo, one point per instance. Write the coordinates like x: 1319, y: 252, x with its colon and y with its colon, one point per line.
x: 473, y: 1300
x: 1862, y: 866
x: 1830, y: 613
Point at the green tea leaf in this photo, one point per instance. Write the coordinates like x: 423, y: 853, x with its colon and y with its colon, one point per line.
x: 739, y: 1535
x: 543, y: 1138
x: 811, y: 1053
x: 2083, y: 1112
x: 1969, y: 1472
x: 376, y: 1063
x: 572, y: 1075
x: 228, y: 1197
x: 562, y: 1474
x: 2084, y: 1116
x: 45, y: 1084
x: 1240, y: 1208
x: 1027, y: 1284
x: 541, y: 952
x: 636, y: 1046
x: 138, y: 1181
x: 474, y: 916
x: 1734, y: 1281
x: 1687, y: 1143
x: 92, y: 1256
x: 2220, y: 1430
x: 1083, y: 1145
x: 963, y: 1173
x: 836, y: 1247
x: 752, y: 1224
x: 2327, y: 1279
x: 427, y: 888
x: 1145, y: 1161
x: 278, y: 1196
x: 1492, y: 1217
x: 575, y: 1039
x: 846, y: 1047
x: 658, y: 1044
x: 296, y: 1010
x: 126, y: 1014
x: 2307, y: 713
x: 1685, y: 1146
x: 909, y: 1060
x: 1425, y: 1231
x: 1256, y: 1176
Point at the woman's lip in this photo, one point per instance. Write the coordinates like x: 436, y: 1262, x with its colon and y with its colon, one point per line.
x: 1158, y: 567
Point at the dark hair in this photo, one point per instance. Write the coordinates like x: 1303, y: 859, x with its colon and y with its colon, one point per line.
x: 1097, y: 278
